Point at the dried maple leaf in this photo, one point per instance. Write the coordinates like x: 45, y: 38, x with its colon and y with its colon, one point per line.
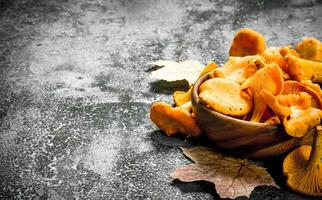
x: 232, y: 177
x: 172, y: 71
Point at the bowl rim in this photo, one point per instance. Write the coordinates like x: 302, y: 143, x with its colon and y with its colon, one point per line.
x: 195, y: 98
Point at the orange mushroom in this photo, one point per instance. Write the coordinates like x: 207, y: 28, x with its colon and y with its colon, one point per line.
x: 275, y: 105
x: 268, y: 78
x: 272, y: 54
x: 288, y: 50
x: 294, y: 107
x: 310, y: 48
x: 300, y: 121
x: 301, y: 100
x: 294, y: 87
x: 303, y: 167
x: 301, y: 69
x: 174, y: 120
x: 225, y: 96
x: 181, y: 97
x: 209, y: 67
x: 314, y: 86
x: 247, y: 42
x: 239, y: 68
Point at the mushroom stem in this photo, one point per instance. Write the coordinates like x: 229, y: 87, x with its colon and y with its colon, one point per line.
x: 259, y: 108
x: 316, y: 153
x: 273, y: 103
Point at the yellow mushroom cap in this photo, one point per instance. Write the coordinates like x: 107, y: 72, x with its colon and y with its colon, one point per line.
x: 239, y: 68
x: 174, y: 120
x: 272, y: 54
x: 303, y: 168
x: 225, y: 96
x: 310, y: 48
x: 247, y: 42
x: 209, y: 67
x: 288, y: 50
x: 300, y: 121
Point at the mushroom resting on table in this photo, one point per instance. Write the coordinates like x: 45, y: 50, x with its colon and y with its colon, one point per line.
x: 303, y: 167
x: 174, y: 120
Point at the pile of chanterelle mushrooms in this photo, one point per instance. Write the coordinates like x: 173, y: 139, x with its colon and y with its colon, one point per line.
x: 275, y: 85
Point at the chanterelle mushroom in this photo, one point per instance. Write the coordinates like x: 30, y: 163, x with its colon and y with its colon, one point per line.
x: 247, y: 42
x: 301, y: 69
x: 268, y: 78
x: 295, y: 110
x: 239, y: 68
x: 303, y: 167
x: 174, y: 120
x: 301, y: 121
x: 288, y: 50
x: 209, y: 67
x: 310, y: 48
x: 274, y: 104
x: 272, y: 54
x: 294, y: 87
x: 225, y: 96
x: 316, y: 87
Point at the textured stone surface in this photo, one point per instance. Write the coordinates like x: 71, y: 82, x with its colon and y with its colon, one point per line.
x: 75, y: 91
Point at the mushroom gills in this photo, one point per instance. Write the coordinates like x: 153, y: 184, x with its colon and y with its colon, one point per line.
x: 267, y: 78
x: 303, y: 167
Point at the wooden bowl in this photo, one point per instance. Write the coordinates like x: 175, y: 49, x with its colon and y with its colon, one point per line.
x: 250, y: 139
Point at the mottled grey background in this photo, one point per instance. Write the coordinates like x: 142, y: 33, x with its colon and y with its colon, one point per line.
x: 75, y: 90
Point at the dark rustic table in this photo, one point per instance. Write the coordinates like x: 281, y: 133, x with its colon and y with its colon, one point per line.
x: 75, y: 91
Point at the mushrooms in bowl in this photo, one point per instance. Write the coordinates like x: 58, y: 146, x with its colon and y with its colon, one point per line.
x: 247, y: 138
